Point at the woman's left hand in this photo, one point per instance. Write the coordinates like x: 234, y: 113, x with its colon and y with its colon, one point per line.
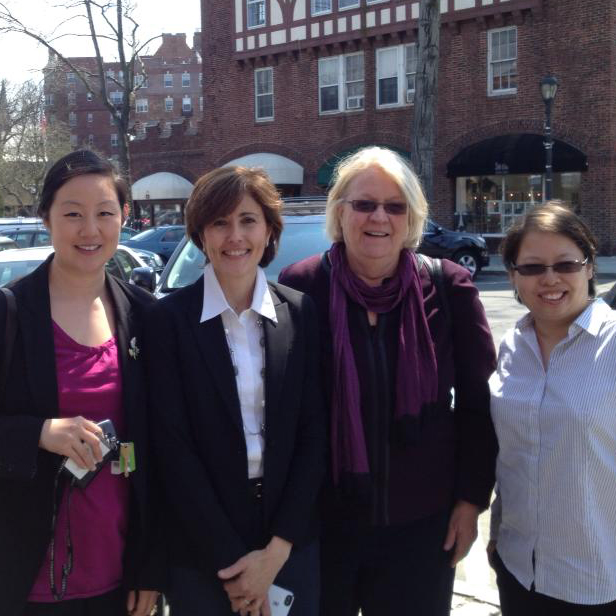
x: 141, y: 602
x: 462, y: 530
x: 249, y: 579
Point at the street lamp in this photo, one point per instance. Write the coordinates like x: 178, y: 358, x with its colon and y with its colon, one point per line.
x: 549, y: 86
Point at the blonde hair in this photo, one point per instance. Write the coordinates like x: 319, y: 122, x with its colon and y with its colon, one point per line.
x: 400, y: 172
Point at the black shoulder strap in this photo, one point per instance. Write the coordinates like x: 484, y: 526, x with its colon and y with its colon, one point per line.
x: 435, y: 269
x: 10, y: 333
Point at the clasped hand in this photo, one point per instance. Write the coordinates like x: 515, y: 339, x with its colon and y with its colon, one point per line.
x: 248, y: 580
x: 74, y: 437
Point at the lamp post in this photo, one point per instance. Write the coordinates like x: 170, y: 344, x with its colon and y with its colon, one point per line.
x: 549, y: 86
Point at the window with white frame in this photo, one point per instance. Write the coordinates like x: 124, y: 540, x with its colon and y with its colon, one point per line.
x: 90, y: 118
x: 168, y: 104
x: 49, y: 99
x: 90, y: 140
x: 186, y: 103
x: 121, y: 76
x: 168, y: 80
x: 70, y: 78
x: 73, y: 139
x: 141, y: 105
x: 72, y: 98
x: 114, y: 140
x: 341, y: 83
x: 116, y: 97
x: 72, y: 119
x: 110, y: 74
x: 140, y: 81
x: 503, y: 61
x: 264, y: 93
x: 396, y: 69
x: 347, y: 4
x: 255, y: 11
x: 201, y: 103
x: 89, y: 96
x: 186, y: 80
x: 320, y: 7
x: 200, y: 79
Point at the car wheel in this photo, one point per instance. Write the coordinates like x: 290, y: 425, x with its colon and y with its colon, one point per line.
x: 468, y: 260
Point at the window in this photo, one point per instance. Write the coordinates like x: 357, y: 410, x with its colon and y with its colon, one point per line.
x: 72, y: 98
x: 347, y: 4
x: 168, y: 104
x: 90, y: 140
x: 341, y: 83
x: 200, y: 79
x: 110, y: 74
x: 396, y: 69
x: 116, y: 97
x: 173, y: 235
x: 70, y: 78
x: 111, y: 119
x: 264, y: 94
x: 503, y: 61
x: 319, y: 7
x: 90, y: 118
x: 89, y: 96
x: 255, y: 10
x: 121, y: 76
x: 49, y: 100
x: 72, y: 119
x: 141, y: 81
x: 168, y: 80
x: 186, y: 80
x: 114, y: 140
x: 141, y: 105
x: 186, y: 103
x: 375, y: 1
x: 74, y: 141
x: 201, y: 103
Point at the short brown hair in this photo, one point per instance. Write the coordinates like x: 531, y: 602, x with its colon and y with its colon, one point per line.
x: 217, y: 193
x: 552, y: 217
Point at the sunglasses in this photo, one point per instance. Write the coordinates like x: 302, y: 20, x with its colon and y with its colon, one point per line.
x: 367, y: 206
x: 538, y: 269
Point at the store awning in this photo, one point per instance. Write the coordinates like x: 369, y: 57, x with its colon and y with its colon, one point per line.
x: 326, y: 170
x: 162, y: 185
x: 281, y: 170
x: 509, y: 154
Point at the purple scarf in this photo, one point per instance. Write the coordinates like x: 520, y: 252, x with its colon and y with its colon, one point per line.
x: 417, y: 377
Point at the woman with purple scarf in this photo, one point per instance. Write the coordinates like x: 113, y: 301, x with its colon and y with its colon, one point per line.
x: 406, y: 360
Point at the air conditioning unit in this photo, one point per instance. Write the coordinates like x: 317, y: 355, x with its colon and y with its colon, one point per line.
x: 355, y: 102
x: 410, y: 96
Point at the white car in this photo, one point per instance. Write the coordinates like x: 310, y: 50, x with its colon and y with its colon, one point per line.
x: 21, y: 261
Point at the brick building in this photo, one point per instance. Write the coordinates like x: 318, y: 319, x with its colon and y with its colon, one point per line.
x: 171, y: 94
x: 294, y: 84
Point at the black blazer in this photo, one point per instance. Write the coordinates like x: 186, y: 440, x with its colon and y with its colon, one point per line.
x: 198, y: 428
x: 27, y: 472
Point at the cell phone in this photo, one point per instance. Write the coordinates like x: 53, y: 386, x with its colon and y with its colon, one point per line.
x: 109, y: 447
x: 280, y: 600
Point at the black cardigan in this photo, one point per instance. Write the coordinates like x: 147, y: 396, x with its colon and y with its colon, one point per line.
x: 27, y: 472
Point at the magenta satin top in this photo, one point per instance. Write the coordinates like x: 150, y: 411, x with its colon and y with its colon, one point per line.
x: 89, y: 384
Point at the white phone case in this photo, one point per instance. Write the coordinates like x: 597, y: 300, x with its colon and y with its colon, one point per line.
x: 280, y: 600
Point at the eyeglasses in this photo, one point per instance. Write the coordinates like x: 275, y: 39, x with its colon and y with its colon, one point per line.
x: 538, y: 269
x: 367, y: 206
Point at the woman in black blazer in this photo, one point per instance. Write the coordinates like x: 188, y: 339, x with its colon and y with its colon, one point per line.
x: 238, y: 412
x: 75, y: 362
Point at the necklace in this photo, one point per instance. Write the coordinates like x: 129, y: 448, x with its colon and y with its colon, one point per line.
x: 236, y: 371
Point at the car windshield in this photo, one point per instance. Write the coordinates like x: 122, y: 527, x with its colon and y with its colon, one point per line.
x: 144, y: 235
x: 302, y: 236
x: 11, y: 270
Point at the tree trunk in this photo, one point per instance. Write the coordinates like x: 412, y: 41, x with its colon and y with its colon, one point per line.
x: 426, y: 90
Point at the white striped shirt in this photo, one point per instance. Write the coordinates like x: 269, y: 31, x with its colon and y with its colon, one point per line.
x: 556, y: 467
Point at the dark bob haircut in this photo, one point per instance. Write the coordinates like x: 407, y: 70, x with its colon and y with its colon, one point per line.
x: 217, y: 193
x: 552, y: 217
x: 79, y: 162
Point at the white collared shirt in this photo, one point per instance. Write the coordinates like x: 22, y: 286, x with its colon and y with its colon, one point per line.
x: 247, y: 352
x: 556, y: 467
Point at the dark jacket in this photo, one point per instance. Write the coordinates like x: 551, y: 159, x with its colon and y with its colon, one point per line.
x: 454, y: 457
x: 199, y: 428
x: 27, y: 472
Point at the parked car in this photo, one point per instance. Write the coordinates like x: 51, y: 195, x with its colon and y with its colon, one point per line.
x: 127, y: 233
x: 6, y: 243
x: 161, y: 240
x: 21, y: 261
x: 151, y: 258
x: 27, y: 235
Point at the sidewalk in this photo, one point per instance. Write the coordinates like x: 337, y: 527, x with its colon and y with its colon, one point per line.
x: 606, y: 267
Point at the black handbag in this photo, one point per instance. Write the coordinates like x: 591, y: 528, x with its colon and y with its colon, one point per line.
x: 10, y: 333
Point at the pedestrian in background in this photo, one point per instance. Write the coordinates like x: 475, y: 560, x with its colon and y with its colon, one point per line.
x: 239, y: 414
x: 65, y: 550
x: 410, y: 468
x: 554, y: 410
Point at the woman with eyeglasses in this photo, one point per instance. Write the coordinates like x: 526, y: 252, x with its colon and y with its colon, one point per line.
x: 410, y: 469
x: 553, y: 539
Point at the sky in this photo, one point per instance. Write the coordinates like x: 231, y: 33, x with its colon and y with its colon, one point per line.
x: 22, y: 58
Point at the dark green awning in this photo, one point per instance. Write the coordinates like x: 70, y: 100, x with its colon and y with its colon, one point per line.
x: 326, y: 170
